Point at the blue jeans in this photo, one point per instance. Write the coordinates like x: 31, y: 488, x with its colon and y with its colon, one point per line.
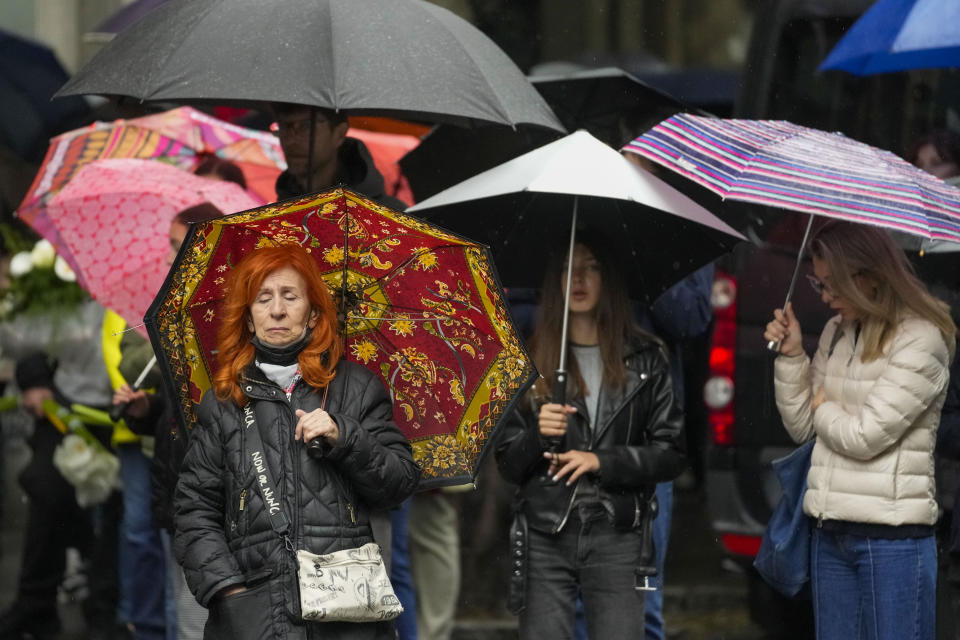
x: 142, y: 571
x: 400, y: 577
x: 653, y: 611
x: 169, y: 594
x: 873, y: 588
x: 591, y: 559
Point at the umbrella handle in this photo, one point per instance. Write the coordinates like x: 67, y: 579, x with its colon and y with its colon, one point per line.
x: 318, y: 447
x: 558, y: 396
x: 117, y: 411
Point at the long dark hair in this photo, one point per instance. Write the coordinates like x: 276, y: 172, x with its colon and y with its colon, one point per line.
x: 615, y: 321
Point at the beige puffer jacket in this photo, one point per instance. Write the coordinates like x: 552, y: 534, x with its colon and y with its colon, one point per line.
x: 873, y: 460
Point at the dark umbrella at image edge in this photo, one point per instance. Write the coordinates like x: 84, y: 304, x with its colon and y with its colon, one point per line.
x: 403, y: 58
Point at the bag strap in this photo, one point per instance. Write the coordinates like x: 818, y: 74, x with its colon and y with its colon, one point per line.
x: 265, y: 484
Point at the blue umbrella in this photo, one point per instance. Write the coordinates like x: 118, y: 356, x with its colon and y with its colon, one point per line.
x: 899, y: 35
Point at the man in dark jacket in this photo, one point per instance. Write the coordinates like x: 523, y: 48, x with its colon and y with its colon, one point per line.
x: 336, y: 159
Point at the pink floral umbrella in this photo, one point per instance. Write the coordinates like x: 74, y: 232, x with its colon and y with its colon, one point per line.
x: 111, y: 224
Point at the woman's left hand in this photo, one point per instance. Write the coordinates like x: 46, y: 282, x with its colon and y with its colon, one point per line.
x: 574, y: 462
x: 316, y: 424
x: 818, y: 399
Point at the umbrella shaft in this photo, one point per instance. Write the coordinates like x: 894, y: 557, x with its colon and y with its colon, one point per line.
x: 774, y: 345
x: 566, y: 294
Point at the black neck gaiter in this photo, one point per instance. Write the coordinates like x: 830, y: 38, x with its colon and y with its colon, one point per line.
x: 283, y: 356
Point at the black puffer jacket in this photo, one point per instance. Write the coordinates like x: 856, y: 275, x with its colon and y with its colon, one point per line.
x: 638, y: 439
x: 223, y: 534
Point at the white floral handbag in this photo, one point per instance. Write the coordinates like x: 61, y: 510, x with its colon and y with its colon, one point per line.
x: 351, y: 585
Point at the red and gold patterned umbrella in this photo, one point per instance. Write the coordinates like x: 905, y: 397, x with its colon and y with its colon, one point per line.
x: 424, y: 311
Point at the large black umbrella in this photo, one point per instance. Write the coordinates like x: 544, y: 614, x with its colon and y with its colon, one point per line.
x: 604, y: 100
x: 403, y: 58
x: 611, y: 104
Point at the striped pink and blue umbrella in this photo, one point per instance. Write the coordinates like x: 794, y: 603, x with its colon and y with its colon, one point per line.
x: 785, y: 165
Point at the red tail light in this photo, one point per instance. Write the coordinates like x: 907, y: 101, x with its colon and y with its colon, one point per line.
x: 741, y: 545
x: 718, y: 390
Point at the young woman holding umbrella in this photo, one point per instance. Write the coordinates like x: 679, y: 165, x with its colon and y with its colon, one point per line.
x: 872, y: 397
x: 587, y: 469
x: 280, y: 350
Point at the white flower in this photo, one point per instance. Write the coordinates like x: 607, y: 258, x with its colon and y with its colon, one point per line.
x: 21, y: 264
x: 43, y: 254
x: 92, y: 471
x: 63, y: 270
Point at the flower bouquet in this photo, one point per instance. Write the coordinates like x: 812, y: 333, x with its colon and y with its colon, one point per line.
x: 39, y: 280
x: 80, y: 458
x: 38, y: 298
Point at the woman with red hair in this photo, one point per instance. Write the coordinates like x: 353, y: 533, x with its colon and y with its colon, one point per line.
x: 280, y: 353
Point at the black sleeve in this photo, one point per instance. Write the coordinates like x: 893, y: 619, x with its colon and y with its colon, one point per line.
x: 372, y: 451
x: 519, y: 447
x: 148, y: 424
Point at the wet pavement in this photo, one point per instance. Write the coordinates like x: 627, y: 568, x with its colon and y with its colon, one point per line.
x: 703, y: 599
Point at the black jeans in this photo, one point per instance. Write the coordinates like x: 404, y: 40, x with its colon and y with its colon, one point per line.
x: 591, y: 558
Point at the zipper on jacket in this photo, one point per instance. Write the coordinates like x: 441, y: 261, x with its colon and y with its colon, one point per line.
x: 626, y: 401
x: 573, y: 496
x: 566, y: 515
x: 243, y: 497
x: 353, y: 516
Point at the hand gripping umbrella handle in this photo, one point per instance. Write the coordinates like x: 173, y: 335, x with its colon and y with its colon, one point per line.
x: 118, y: 410
x: 559, y: 396
x: 318, y: 447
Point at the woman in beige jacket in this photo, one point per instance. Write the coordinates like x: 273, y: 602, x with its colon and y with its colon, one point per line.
x: 872, y: 397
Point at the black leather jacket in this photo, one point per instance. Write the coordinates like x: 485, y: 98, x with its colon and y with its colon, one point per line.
x: 223, y: 532
x: 639, y: 440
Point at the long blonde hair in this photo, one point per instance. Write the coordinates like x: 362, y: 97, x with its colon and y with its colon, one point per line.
x: 849, y: 250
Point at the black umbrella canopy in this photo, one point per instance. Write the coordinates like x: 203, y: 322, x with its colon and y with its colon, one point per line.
x: 605, y: 101
x: 402, y: 58
x: 612, y: 105
x: 523, y: 210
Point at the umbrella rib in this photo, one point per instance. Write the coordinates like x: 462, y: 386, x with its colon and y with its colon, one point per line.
x: 383, y: 280
x: 436, y: 316
x: 382, y: 345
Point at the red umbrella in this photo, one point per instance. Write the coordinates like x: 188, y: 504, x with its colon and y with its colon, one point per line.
x: 423, y: 310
